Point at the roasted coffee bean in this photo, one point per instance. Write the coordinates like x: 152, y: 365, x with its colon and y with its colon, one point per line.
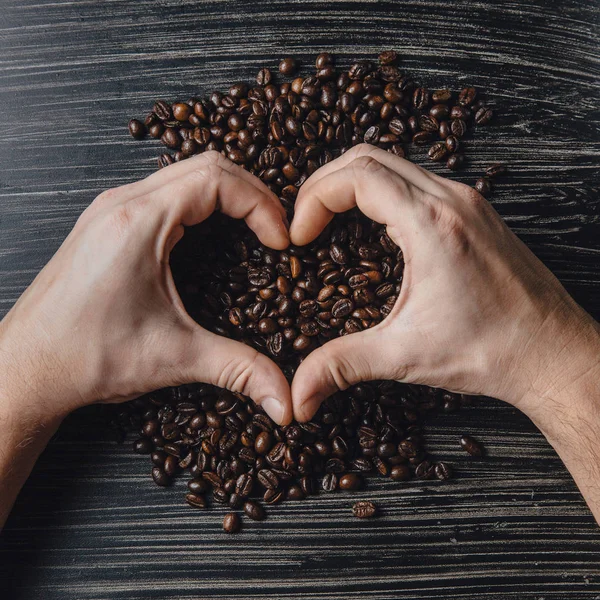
x: 263, y: 443
x: 495, y: 170
x: 458, y: 127
x: 400, y: 473
x: 231, y: 523
x: 350, y: 481
x: 330, y: 482
x: 364, y: 509
x: 273, y: 496
x: 471, y: 446
x: 181, y: 111
x: 264, y: 77
x: 160, y: 477
x: 143, y: 446
x: 455, y: 161
x: 429, y: 123
x: 244, y: 485
x: 137, y: 129
x: 443, y: 471
x: 467, y: 96
x: 389, y: 57
x: 197, y: 486
x: 425, y: 470
x: 438, y: 151
x: 421, y: 98
x: 483, y: 186
x: 268, y: 479
x: 441, y: 96
x: 162, y: 110
x: 288, y: 66
x: 295, y: 492
x: 254, y: 510
x: 195, y: 500
x: 483, y: 115
x: 452, y: 144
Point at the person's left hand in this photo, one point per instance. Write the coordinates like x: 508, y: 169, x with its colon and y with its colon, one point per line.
x: 103, y: 320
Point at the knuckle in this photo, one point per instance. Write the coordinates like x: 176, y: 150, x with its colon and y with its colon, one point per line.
x: 366, y: 164
x: 121, y: 218
x: 237, y: 375
x: 341, y: 371
x: 451, y: 225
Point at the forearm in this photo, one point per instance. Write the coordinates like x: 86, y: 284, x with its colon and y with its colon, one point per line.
x: 22, y: 440
x: 27, y: 422
x: 568, y: 413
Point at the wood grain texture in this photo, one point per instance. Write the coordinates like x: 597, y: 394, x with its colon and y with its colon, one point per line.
x: 90, y: 525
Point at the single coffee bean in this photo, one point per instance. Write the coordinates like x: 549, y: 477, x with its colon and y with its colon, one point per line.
x: 458, y: 127
x: 264, y: 77
x: 330, y: 482
x: 441, y: 96
x: 231, y: 523
x: 197, y: 486
x: 483, y: 115
x: 467, y: 96
x: 254, y: 510
x: 471, y: 446
x: 162, y: 110
x: 195, y: 500
x: 400, y: 473
x: 143, y: 446
x: 495, y: 170
x: 137, y: 129
x: 160, y: 477
x: 350, y: 481
x: 288, y: 66
x: 443, y: 471
x: 437, y: 151
x: 181, y: 111
x: 364, y: 509
x: 455, y: 161
x: 295, y: 492
x: 263, y: 443
x: 452, y: 144
x: 388, y: 57
x: 483, y: 186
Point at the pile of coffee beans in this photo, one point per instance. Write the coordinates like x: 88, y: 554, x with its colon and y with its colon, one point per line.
x: 287, y: 303
x: 237, y: 456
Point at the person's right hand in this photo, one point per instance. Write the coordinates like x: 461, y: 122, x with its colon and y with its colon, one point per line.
x: 478, y: 313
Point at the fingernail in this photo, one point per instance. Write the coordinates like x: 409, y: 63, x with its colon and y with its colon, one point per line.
x: 274, y: 408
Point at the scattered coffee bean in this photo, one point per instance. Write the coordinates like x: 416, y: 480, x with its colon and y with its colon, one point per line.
x: 495, y: 170
x: 288, y: 66
x: 364, y: 509
x: 231, y: 523
x: 254, y: 510
x: 483, y: 186
x: 137, y: 129
x: 471, y: 446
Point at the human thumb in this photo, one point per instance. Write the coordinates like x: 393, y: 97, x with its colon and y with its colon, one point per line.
x: 336, y: 366
x: 229, y: 364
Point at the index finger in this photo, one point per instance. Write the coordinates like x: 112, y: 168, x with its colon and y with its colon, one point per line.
x: 380, y: 193
x: 218, y: 184
x: 411, y: 172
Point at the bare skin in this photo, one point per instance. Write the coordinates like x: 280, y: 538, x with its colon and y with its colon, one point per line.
x: 478, y: 313
x: 103, y: 322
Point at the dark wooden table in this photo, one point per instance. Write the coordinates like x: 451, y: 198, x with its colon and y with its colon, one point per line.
x: 90, y: 524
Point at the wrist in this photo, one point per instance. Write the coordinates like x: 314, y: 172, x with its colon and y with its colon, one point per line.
x: 566, y: 381
x: 32, y: 393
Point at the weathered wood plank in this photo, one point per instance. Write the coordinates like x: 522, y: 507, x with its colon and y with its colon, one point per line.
x: 90, y: 524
